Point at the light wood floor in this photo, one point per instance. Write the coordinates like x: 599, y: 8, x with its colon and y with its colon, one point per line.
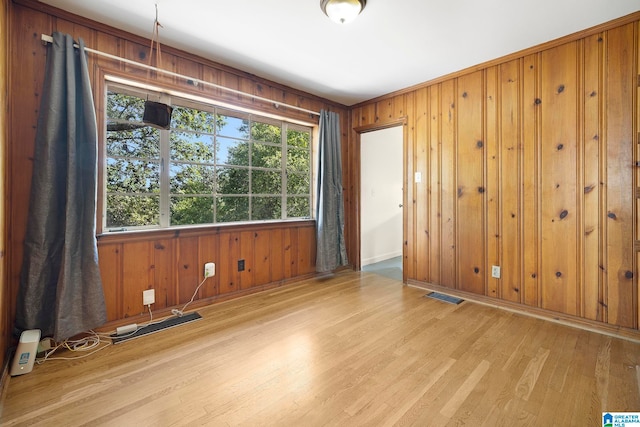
x: 356, y: 349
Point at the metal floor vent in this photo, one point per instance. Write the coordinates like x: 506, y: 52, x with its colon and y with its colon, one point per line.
x: 155, y: 327
x: 443, y: 297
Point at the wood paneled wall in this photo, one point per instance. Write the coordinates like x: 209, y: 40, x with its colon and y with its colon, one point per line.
x: 171, y: 262
x: 5, y: 303
x: 529, y: 163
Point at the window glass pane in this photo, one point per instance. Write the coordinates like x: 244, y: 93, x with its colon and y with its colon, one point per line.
x: 124, y: 107
x: 193, y: 147
x: 233, y: 180
x: 191, y: 210
x: 139, y: 141
x: 266, y: 208
x: 266, y: 182
x: 192, y: 179
x: 130, y: 211
x: 298, y: 138
x: 298, y: 183
x: 232, y: 152
x: 298, y: 207
x: 266, y: 156
x: 132, y: 176
x: 192, y: 119
x: 234, y: 127
x: 266, y: 132
x: 230, y: 209
x: 297, y: 160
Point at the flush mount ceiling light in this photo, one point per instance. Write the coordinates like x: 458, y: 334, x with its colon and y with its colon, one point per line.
x: 342, y: 11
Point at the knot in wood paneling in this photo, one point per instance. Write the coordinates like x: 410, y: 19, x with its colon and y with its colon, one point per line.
x: 480, y: 190
x: 564, y: 214
x: 628, y: 274
x: 560, y: 147
x: 612, y: 215
x: 558, y: 274
x: 538, y: 101
x: 476, y: 270
x: 479, y: 144
x: 560, y: 88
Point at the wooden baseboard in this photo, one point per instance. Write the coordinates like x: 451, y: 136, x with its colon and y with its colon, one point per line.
x: 563, y: 319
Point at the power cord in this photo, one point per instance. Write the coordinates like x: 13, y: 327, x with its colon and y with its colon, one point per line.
x: 180, y: 313
x: 90, y: 343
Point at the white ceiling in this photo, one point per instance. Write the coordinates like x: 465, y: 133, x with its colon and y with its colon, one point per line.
x: 392, y: 45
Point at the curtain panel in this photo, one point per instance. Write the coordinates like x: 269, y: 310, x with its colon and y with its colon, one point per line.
x: 60, y: 285
x: 331, y: 248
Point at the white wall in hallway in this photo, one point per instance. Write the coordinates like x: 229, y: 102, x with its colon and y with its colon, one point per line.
x: 381, y: 195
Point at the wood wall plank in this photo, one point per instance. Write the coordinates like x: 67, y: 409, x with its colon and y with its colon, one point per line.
x: 262, y: 257
x: 111, y: 275
x: 531, y: 178
x: 448, y: 263
x: 247, y: 250
x: 559, y: 178
x: 208, y: 252
x: 621, y: 87
x: 470, y: 151
x: 409, y: 222
x: 420, y: 189
x: 435, y: 188
x: 493, y: 191
x: 137, y: 263
x: 5, y: 290
x: 510, y: 184
x: 591, y: 272
x: 188, y: 270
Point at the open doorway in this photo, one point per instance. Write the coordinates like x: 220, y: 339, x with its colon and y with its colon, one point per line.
x: 381, y: 201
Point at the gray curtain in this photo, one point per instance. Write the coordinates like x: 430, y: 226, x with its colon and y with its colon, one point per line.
x: 331, y: 249
x: 60, y: 287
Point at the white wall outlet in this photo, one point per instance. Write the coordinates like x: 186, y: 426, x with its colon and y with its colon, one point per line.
x: 495, y: 271
x: 148, y: 297
x: 209, y: 269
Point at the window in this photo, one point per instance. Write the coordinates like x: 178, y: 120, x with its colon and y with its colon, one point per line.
x: 214, y: 165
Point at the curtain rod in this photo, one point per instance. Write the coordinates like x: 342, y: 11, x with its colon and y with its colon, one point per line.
x: 48, y: 39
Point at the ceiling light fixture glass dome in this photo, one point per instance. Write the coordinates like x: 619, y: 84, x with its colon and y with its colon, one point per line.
x: 342, y: 11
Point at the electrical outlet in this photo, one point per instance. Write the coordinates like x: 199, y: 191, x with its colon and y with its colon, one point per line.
x: 495, y: 271
x: 209, y: 269
x: 148, y: 297
x: 240, y: 265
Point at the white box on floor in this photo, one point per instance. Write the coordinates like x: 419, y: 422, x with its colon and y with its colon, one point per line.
x: 26, y: 352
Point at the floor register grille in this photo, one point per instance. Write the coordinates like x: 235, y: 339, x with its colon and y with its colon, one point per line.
x: 156, y: 327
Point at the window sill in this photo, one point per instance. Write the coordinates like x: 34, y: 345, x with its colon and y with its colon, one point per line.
x: 191, y: 231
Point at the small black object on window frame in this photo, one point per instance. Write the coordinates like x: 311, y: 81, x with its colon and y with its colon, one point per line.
x: 157, y: 114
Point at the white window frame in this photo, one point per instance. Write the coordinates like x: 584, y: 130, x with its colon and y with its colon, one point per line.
x: 185, y: 100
